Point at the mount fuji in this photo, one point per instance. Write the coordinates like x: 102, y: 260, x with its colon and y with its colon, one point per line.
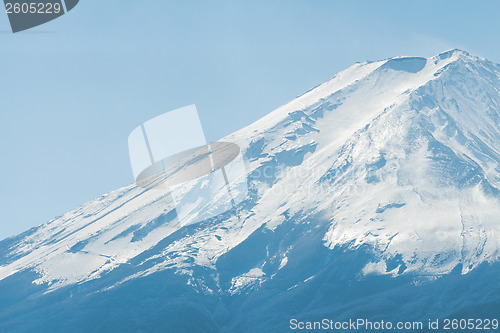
x: 374, y: 195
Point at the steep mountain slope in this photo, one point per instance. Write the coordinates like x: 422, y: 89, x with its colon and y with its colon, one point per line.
x: 383, y: 177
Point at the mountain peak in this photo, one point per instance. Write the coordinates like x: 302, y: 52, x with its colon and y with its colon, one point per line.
x: 387, y: 155
x: 454, y: 52
x: 414, y: 64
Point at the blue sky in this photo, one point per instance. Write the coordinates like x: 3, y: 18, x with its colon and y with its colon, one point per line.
x: 73, y: 89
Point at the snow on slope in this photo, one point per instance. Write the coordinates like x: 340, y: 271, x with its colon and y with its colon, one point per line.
x: 401, y: 155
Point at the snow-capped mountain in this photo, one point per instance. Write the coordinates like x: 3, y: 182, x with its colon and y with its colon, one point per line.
x: 389, y: 171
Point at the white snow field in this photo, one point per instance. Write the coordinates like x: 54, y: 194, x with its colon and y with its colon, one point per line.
x: 397, y: 159
x: 400, y: 154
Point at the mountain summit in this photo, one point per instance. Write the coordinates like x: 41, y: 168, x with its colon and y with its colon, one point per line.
x: 373, y: 188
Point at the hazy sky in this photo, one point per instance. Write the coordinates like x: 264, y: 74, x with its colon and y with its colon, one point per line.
x: 73, y: 89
